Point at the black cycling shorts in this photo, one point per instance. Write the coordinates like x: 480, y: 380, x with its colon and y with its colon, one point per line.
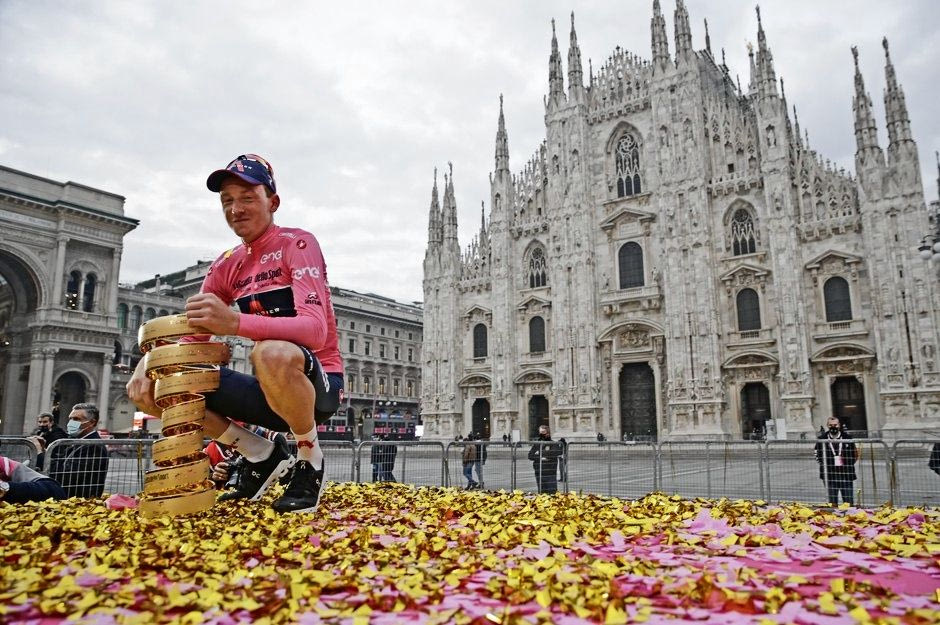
x: 240, y: 397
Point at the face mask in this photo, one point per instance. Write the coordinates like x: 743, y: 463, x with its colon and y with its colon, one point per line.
x: 73, y: 428
x: 44, y: 428
x: 833, y: 430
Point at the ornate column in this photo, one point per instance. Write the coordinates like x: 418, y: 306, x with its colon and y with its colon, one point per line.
x: 105, y: 392
x: 33, y: 386
x: 48, y: 367
x: 113, y: 290
x: 59, y: 271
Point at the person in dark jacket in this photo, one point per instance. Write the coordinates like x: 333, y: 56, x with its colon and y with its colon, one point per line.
x: 544, y: 456
x: 19, y: 483
x: 389, y: 453
x: 47, y: 433
x: 836, y: 455
x: 934, y: 461
x: 81, y: 469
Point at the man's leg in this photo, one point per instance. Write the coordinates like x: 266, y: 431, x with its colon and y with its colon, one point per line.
x: 833, y: 487
x: 282, y: 370
x: 847, y: 495
x: 478, y: 466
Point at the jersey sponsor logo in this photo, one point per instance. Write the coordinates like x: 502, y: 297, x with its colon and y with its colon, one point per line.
x: 270, y: 256
x: 228, y: 253
x: 240, y: 284
x: 313, y: 298
x: 289, y: 235
x: 313, y: 272
x: 301, y: 243
x: 278, y: 302
x: 270, y: 274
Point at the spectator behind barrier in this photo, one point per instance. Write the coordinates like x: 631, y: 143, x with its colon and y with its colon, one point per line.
x: 47, y: 432
x: 81, y: 469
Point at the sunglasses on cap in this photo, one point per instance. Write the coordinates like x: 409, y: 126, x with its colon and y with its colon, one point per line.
x: 255, y: 158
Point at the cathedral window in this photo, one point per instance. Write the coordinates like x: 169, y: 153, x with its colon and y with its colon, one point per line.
x: 838, y: 302
x: 743, y: 240
x: 748, y: 305
x: 88, y: 294
x: 479, y: 341
x: 537, y: 275
x: 537, y: 335
x: 627, y: 156
x: 630, y: 263
x: 122, y: 316
x: 71, y: 290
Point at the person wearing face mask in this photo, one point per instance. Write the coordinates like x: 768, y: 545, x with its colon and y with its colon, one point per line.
x: 836, y: 455
x: 47, y: 433
x: 79, y: 468
x: 544, y: 456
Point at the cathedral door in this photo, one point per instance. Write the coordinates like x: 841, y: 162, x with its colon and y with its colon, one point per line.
x: 848, y: 403
x: 538, y: 415
x: 755, y: 410
x: 637, y: 402
x: 481, y: 418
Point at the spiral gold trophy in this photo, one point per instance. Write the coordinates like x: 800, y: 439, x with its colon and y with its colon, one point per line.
x: 183, y: 372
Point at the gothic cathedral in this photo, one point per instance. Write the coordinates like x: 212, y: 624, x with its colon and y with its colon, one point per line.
x: 676, y: 262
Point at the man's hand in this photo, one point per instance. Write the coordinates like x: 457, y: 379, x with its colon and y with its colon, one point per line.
x: 207, y: 311
x: 38, y: 442
x: 140, y: 390
x: 220, y: 472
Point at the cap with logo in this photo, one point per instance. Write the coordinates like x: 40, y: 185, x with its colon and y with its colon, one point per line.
x: 249, y: 167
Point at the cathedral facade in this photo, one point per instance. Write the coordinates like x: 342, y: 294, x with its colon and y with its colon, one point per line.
x: 676, y: 262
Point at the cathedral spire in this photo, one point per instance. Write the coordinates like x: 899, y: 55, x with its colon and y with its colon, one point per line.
x: 660, y: 43
x: 556, y: 81
x: 435, y: 233
x: 683, y: 32
x: 450, y: 209
x: 575, y: 77
x: 796, y: 128
x: 899, y: 124
x: 708, y: 40
x: 752, y: 84
x: 767, y: 77
x: 502, y: 141
x: 866, y: 133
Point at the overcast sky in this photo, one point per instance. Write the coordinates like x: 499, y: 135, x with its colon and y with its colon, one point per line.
x: 355, y: 103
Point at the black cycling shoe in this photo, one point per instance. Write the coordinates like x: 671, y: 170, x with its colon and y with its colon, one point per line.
x: 303, y: 493
x: 257, y: 477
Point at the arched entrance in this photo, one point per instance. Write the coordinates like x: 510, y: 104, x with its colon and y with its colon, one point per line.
x: 538, y: 415
x: 848, y: 403
x: 755, y: 410
x: 481, y: 418
x: 637, y: 402
x: 71, y: 389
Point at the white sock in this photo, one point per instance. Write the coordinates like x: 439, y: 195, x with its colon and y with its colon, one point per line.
x: 308, y: 448
x: 255, y: 448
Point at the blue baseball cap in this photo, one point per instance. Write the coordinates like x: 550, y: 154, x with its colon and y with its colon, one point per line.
x: 249, y: 167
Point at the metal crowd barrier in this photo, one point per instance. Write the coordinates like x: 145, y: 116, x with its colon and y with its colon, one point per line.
x: 773, y: 471
x: 19, y: 448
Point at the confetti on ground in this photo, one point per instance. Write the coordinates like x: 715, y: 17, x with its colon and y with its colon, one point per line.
x: 389, y: 553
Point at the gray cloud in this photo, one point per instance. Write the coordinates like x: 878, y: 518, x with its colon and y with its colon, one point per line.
x: 355, y: 104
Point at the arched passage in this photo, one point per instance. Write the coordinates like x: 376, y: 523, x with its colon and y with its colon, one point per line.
x: 637, y: 402
x: 538, y: 415
x: 70, y: 389
x: 481, y: 418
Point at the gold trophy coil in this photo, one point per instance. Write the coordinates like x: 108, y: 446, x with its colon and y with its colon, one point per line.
x: 183, y: 372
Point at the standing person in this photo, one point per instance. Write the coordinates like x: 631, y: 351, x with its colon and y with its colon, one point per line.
x: 389, y: 453
x: 836, y: 455
x: 376, y: 458
x: 480, y: 459
x: 469, y: 457
x: 544, y: 456
x: 277, y: 277
x: 79, y: 469
x: 47, y: 432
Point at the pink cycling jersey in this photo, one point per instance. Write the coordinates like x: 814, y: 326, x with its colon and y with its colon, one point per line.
x: 279, y: 283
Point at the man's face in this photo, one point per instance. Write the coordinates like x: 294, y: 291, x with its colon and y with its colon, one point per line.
x: 543, y: 431
x: 87, y: 425
x: 832, y: 422
x: 45, y: 422
x: 248, y: 209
